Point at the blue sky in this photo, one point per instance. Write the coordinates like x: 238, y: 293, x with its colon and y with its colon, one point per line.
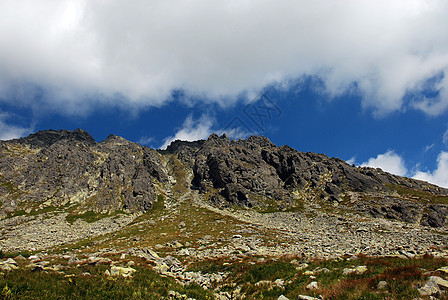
x: 364, y: 81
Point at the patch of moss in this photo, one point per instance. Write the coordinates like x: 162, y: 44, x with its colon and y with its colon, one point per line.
x: 418, y: 195
x: 88, y: 216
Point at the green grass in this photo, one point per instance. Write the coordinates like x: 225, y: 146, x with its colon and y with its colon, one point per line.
x: 419, y: 195
x: 178, y: 171
x: 146, y: 284
x: 88, y: 216
x: 255, y: 277
x: 158, y: 205
x: 16, y: 213
x: 404, y: 276
x: 13, y: 191
x: 4, y: 255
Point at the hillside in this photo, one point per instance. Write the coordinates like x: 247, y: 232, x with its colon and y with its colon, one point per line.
x: 62, y: 194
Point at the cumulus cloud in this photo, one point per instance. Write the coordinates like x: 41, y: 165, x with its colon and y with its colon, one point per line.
x: 9, y: 132
x: 351, y: 161
x: 61, y: 53
x: 440, y: 175
x: 390, y: 162
x: 145, y: 140
x: 193, y: 130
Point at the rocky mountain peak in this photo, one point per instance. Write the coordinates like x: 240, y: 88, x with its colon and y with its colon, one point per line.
x: 178, y: 145
x: 215, y: 140
x: 46, y: 138
x: 118, y: 174
x: 113, y: 139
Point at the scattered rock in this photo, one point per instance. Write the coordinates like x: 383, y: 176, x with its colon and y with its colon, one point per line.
x: 279, y: 282
x: 312, y: 286
x: 429, y: 289
x: 302, y: 266
x: 130, y: 263
x: 443, y: 270
x: 382, y: 285
x: 442, y: 283
x: 358, y: 270
x: 9, y: 265
x: 304, y: 297
x: 121, y: 271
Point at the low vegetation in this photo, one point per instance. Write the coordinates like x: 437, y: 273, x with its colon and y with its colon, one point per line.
x: 254, y: 277
x: 89, y: 282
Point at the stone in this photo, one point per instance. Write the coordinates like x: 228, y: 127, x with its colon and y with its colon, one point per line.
x: 443, y: 270
x: 429, y: 289
x: 7, y: 267
x: 35, y: 267
x: 130, y: 263
x: 382, y: 285
x: 184, y: 252
x: 308, y: 273
x: 33, y: 258
x: 93, y: 260
x: 358, y: 270
x: 279, y: 282
x: 121, y: 271
x: 302, y: 266
x: 442, y: 283
x: 263, y: 282
x: 153, y: 254
x: 11, y: 261
x: 304, y: 297
x: 312, y: 286
x: 282, y: 297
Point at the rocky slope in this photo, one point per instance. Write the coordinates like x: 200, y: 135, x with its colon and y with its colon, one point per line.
x: 222, y: 214
x: 256, y: 173
x: 57, y: 168
x: 62, y: 186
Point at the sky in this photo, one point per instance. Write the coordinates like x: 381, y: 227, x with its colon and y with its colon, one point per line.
x: 361, y: 80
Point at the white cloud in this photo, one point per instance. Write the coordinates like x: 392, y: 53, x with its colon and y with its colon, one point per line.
x: 440, y: 175
x: 135, y: 53
x: 429, y: 147
x: 236, y: 133
x: 389, y: 162
x: 191, y: 130
x: 9, y: 132
x: 201, y: 129
x: 445, y: 137
x: 351, y: 161
x: 144, y: 140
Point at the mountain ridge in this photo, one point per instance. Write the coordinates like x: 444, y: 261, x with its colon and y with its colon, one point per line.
x: 117, y: 174
x: 235, y: 206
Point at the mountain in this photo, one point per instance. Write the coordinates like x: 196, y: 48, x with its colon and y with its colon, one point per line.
x: 218, y: 218
x: 69, y: 167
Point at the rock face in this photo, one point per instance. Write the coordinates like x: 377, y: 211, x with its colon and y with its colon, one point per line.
x: 58, y: 168
x: 256, y: 173
x: 65, y: 167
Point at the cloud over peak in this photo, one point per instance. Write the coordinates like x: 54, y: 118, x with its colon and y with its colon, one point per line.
x: 390, y: 162
x: 138, y: 52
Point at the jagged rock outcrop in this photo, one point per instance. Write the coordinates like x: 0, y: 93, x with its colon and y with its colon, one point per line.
x: 256, y: 173
x: 57, y: 168
x: 66, y: 167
